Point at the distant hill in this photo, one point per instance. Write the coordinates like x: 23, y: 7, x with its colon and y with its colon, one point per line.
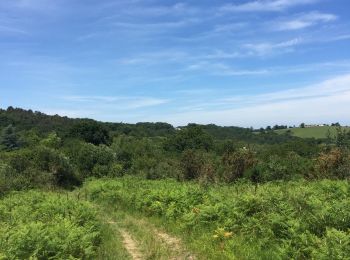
x: 317, y: 132
x: 27, y: 119
x: 24, y: 120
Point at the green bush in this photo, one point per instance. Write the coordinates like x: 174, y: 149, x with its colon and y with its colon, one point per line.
x: 290, y: 167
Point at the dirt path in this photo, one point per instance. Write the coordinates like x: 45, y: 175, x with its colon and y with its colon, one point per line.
x: 131, y: 246
x: 175, y: 245
x: 172, y: 242
x: 143, y: 240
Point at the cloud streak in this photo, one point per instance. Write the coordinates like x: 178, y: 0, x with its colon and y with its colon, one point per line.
x: 265, y: 5
x: 321, y: 102
x: 118, y: 102
x: 303, y: 21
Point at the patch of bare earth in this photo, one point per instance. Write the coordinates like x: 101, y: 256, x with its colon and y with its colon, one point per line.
x: 131, y: 245
x: 175, y: 245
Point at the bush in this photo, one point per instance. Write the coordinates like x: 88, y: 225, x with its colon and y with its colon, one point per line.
x: 90, y: 159
x: 91, y: 132
x: 237, y: 163
x: 191, y: 137
x: 51, y: 161
x: 333, y: 164
x: 192, y: 163
x: 286, y: 168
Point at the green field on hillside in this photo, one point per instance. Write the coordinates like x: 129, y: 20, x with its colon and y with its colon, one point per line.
x: 312, y: 132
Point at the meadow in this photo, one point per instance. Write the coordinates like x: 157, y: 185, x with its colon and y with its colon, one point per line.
x: 318, y: 132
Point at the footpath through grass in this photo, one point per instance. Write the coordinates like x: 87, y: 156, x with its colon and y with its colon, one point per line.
x: 131, y: 218
x: 132, y: 236
x: 55, y: 225
x: 294, y: 220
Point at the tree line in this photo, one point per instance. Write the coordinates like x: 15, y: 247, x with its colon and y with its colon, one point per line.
x: 37, y: 150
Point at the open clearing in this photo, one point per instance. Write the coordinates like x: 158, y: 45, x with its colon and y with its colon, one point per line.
x: 317, y: 132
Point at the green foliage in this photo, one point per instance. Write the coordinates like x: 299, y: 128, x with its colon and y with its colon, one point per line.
x: 141, y: 156
x: 286, y: 220
x: 31, y: 138
x: 198, y: 165
x: 91, y: 132
x: 342, y: 137
x: 289, y: 167
x: 192, y: 163
x: 191, y: 137
x: 90, y: 158
x: 11, y: 180
x: 52, y: 141
x: 39, y: 225
x: 52, y: 161
x: 237, y: 163
x: 9, y: 139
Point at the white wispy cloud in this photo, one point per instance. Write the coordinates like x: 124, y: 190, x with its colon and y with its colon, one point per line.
x: 155, y: 57
x: 119, y: 102
x: 302, y: 21
x: 177, y: 9
x: 331, y: 87
x: 230, y: 27
x: 264, y: 5
x: 11, y: 30
x: 326, y: 101
x: 266, y: 48
x: 222, y: 69
x: 156, y: 26
x: 30, y: 5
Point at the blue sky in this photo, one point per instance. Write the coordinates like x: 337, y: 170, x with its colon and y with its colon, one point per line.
x: 245, y: 63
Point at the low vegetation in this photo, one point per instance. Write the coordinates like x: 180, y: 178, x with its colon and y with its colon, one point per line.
x: 294, y: 220
x: 46, y: 225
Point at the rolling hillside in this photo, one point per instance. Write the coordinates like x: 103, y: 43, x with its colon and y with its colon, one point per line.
x: 317, y: 132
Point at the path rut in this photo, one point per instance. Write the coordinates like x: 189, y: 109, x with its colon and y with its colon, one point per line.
x: 131, y: 246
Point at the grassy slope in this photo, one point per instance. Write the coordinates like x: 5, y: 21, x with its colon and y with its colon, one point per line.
x: 312, y: 132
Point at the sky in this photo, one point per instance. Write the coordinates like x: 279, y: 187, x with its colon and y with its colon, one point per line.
x: 239, y: 62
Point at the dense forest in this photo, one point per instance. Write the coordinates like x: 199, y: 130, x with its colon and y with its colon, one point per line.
x: 54, y: 153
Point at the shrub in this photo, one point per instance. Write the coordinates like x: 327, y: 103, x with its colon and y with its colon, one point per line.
x: 191, y: 137
x: 237, y: 162
x: 192, y: 163
x: 333, y: 164
x: 50, y: 160
x: 90, y: 158
x: 286, y: 168
x: 91, y: 132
